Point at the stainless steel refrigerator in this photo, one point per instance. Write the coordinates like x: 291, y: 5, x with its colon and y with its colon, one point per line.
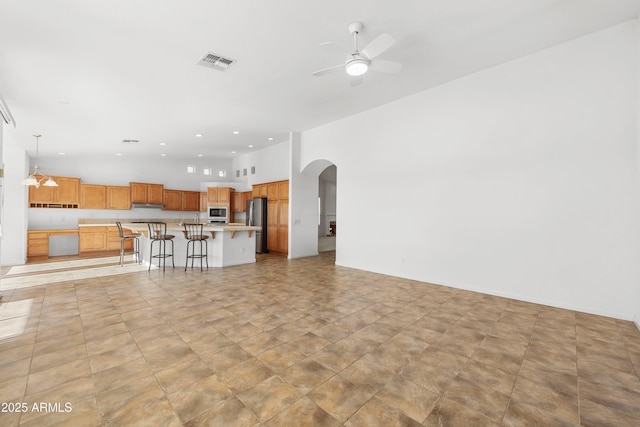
x: 257, y: 215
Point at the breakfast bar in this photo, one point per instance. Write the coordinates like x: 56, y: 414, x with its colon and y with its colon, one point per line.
x: 227, y: 244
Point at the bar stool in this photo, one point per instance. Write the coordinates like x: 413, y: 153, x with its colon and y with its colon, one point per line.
x: 158, y: 233
x: 123, y: 239
x: 193, y: 233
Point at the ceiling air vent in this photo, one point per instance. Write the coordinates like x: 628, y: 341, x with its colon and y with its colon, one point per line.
x: 215, y: 61
x: 130, y: 141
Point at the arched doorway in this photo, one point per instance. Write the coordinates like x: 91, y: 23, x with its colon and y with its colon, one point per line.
x: 317, y: 208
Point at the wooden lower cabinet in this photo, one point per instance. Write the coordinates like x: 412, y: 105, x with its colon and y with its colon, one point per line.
x: 100, y: 239
x: 37, y: 244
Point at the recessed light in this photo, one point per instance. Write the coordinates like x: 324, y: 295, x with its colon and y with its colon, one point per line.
x: 233, y: 152
x: 163, y: 155
x: 198, y: 135
x: 235, y: 132
x: 200, y: 155
x: 251, y: 146
x: 163, y: 143
x: 62, y: 154
x: 270, y: 138
x: 118, y: 154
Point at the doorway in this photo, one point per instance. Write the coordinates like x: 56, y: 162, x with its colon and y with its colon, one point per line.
x: 327, y: 219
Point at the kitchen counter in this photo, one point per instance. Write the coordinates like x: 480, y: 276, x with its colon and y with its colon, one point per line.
x: 227, y: 244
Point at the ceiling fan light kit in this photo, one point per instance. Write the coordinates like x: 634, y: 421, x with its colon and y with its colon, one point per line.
x: 358, y: 63
x: 357, y: 66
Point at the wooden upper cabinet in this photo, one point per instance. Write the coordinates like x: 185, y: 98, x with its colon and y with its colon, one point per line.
x: 172, y: 200
x: 238, y: 205
x: 41, y: 194
x: 247, y: 195
x: 155, y: 193
x: 191, y: 201
x: 67, y: 193
x: 68, y: 190
x: 220, y: 195
x: 225, y: 195
x: 272, y: 191
x: 118, y: 197
x: 259, y: 191
x: 283, y: 190
x: 204, y: 201
x: 146, y: 193
x: 138, y: 192
x: 93, y: 196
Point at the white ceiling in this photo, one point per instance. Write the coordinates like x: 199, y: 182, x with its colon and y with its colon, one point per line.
x: 88, y: 74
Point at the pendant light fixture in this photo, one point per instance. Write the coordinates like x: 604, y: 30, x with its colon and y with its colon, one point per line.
x: 37, y: 177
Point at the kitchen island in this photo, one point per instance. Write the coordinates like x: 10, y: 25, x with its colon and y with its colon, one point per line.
x: 227, y: 244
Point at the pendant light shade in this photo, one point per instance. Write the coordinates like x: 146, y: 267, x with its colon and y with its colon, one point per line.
x: 36, y: 178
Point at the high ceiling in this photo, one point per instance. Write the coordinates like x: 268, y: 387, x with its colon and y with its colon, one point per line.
x: 89, y: 74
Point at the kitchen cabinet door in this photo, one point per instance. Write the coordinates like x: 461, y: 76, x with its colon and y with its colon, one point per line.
x: 68, y: 190
x: 283, y: 213
x: 113, y: 239
x: 191, y: 201
x: 238, y: 205
x: 155, y: 193
x: 93, y: 196
x: 118, y: 197
x: 225, y: 195
x: 272, y: 191
x: 272, y: 238
x: 212, y: 195
x: 283, y: 190
x: 246, y: 196
x: 172, y: 200
x: 204, y: 201
x: 283, y: 239
x: 41, y: 195
x: 37, y: 244
x: 92, y: 239
x: 138, y: 192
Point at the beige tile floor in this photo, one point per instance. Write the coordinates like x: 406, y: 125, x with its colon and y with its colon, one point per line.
x: 299, y: 343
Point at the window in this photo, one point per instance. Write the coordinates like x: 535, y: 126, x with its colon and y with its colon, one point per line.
x: 191, y: 169
x: 222, y: 173
x: 207, y: 171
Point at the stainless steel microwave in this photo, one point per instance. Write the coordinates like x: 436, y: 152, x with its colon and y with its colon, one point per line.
x: 218, y: 213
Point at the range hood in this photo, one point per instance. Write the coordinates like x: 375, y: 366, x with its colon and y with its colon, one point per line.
x: 147, y: 205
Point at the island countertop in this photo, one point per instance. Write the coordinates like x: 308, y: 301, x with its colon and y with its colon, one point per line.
x: 174, y: 226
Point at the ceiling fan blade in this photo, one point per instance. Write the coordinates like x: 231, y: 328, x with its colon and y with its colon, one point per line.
x: 378, y: 45
x: 383, y: 66
x: 328, y: 70
x: 336, y: 47
x: 356, y: 81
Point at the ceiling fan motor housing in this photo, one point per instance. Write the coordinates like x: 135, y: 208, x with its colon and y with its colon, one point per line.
x: 355, y: 27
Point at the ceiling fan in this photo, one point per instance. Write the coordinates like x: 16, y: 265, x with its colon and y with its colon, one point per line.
x: 359, y: 62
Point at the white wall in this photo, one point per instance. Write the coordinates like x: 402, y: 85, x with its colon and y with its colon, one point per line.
x: 271, y: 164
x: 519, y: 180
x: 121, y: 170
x: 14, y: 230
